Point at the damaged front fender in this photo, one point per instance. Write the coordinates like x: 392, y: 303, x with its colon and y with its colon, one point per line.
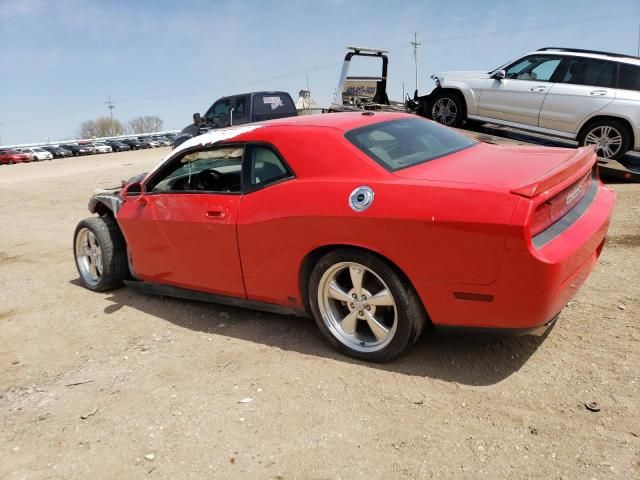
x: 104, y: 203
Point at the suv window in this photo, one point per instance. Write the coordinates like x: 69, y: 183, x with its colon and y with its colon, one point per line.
x: 241, y: 110
x: 215, y: 170
x: 629, y: 77
x: 538, y: 68
x: 400, y: 144
x: 590, y: 72
x: 265, y: 166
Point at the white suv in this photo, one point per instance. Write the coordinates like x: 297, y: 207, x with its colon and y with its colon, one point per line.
x: 583, y: 95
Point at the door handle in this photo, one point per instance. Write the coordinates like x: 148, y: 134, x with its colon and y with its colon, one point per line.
x: 538, y: 89
x: 598, y: 93
x: 216, y: 213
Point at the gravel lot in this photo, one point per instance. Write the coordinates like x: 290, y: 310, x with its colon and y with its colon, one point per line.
x: 123, y: 385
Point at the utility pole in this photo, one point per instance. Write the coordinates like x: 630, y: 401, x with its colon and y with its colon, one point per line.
x: 110, y: 106
x: 415, y: 45
x: 638, y: 54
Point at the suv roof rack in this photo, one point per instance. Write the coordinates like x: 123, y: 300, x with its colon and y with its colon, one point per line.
x: 579, y: 50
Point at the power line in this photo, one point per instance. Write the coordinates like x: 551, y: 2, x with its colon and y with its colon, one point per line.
x: 402, y: 46
x: 429, y: 38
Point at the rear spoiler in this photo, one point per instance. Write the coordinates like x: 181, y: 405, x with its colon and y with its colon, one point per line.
x: 583, y: 159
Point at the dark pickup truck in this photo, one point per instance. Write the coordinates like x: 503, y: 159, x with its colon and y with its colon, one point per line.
x: 239, y: 110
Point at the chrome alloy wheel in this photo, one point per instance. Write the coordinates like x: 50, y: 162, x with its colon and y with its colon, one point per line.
x: 88, y: 256
x: 444, y: 111
x: 607, y: 139
x: 357, y: 307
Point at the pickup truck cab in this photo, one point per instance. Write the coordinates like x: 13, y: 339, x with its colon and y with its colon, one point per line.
x: 239, y: 110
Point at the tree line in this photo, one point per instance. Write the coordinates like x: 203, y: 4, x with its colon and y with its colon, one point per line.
x: 106, y: 127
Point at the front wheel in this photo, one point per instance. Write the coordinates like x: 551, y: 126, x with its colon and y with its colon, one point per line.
x: 447, y: 108
x: 610, y: 137
x: 363, y: 306
x: 100, y: 253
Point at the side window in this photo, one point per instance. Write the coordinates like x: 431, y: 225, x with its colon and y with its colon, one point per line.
x: 268, y: 106
x: 216, y: 170
x: 241, y: 110
x: 590, y: 72
x: 218, y: 114
x: 629, y: 77
x: 265, y: 166
x: 536, y: 68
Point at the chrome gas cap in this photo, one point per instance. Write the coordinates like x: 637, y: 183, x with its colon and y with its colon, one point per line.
x: 361, y: 199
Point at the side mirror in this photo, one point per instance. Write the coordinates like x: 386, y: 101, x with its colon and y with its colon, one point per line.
x: 132, y: 192
x: 197, y: 119
x: 500, y: 75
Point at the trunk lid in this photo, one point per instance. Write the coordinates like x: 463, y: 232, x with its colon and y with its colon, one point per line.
x: 522, y: 170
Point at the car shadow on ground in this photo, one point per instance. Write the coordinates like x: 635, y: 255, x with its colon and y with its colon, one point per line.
x: 469, y: 360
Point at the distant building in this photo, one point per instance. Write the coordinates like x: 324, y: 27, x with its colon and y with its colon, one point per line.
x: 307, y: 105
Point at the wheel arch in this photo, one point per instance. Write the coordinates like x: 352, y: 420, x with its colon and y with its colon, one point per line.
x: 310, y: 260
x: 101, y: 209
x: 625, y: 122
x: 426, y: 100
x: 105, y: 204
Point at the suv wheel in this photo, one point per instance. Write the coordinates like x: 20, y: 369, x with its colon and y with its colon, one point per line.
x: 363, y: 306
x: 447, y: 108
x: 610, y: 137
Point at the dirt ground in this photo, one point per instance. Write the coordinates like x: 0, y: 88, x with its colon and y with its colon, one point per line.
x: 123, y: 385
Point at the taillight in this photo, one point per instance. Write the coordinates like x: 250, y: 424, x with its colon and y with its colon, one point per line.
x: 552, y: 210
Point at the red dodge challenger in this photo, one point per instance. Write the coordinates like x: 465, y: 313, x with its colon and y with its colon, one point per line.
x: 373, y: 223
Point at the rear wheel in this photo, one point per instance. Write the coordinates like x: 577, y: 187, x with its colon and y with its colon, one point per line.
x: 610, y: 137
x: 100, y: 254
x: 363, y: 306
x: 447, y: 108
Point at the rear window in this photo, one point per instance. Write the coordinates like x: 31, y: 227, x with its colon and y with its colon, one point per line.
x: 629, y: 77
x: 404, y: 143
x: 272, y: 105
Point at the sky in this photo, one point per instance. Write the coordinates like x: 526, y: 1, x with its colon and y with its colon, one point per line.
x: 61, y: 59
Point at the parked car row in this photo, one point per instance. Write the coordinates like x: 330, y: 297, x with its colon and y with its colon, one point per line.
x: 49, y: 152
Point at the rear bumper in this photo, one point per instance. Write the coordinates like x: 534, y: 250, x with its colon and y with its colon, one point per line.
x: 534, y: 284
x: 498, y: 332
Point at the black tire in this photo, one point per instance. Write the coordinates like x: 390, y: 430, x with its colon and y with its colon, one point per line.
x: 411, y: 315
x: 619, y: 127
x: 115, y: 267
x: 447, y: 96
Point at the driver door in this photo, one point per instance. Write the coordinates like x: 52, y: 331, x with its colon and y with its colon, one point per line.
x: 182, y: 231
x: 519, y: 96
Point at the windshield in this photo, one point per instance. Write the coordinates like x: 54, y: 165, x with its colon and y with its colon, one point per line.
x: 404, y: 143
